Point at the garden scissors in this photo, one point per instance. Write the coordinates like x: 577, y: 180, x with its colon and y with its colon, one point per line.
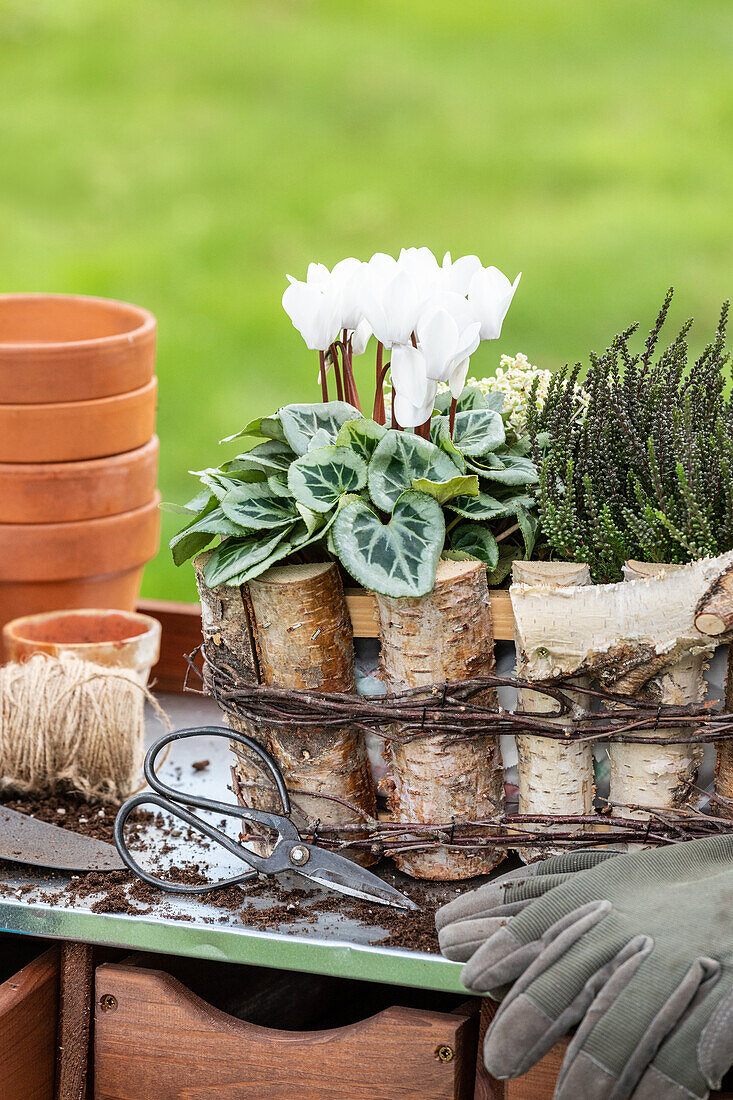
x: 290, y: 853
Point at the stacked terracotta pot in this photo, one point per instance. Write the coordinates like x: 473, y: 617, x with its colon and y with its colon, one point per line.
x: 78, y: 454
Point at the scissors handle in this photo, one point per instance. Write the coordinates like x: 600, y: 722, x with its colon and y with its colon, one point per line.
x: 175, y: 801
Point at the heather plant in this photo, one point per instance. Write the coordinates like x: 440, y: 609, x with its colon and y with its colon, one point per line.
x: 637, y: 463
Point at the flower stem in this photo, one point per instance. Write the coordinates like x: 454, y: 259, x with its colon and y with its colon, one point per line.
x: 324, y: 383
x: 509, y: 531
x: 379, y: 413
x: 452, y: 417
x: 394, y: 418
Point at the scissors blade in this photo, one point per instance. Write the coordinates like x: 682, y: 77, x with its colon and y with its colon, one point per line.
x: 338, y: 873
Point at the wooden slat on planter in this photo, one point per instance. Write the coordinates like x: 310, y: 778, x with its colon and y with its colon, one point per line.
x: 154, y: 1037
x: 28, y: 1014
x: 182, y: 629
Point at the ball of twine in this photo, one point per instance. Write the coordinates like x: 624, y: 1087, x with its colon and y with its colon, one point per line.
x: 68, y: 724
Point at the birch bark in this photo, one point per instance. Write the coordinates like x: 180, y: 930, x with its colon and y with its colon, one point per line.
x: 445, y: 635
x: 554, y: 777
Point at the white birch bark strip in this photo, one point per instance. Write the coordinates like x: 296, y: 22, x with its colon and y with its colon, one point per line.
x: 624, y: 633
x: 659, y: 776
x: 554, y: 777
x: 445, y: 635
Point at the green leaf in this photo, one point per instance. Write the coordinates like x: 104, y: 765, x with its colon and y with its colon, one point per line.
x: 398, y: 460
x: 267, y: 426
x: 257, y: 507
x: 220, y: 483
x: 480, y: 507
x: 398, y: 558
x: 293, y: 541
x: 193, y: 538
x: 471, y: 398
x: 507, y: 556
x: 279, y: 485
x: 195, y: 506
x: 443, y: 491
x: 495, y: 400
x: 361, y: 436
x: 528, y: 525
x: 322, y: 438
x: 301, y: 422
x: 320, y: 477
x: 440, y: 436
x: 478, y: 431
x: 476, y: 539
x: 271, y: 456
x: 517, y: 471
x: 235, y: 556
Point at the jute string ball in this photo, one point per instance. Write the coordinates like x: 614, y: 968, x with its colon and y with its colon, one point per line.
x: 68, y: 724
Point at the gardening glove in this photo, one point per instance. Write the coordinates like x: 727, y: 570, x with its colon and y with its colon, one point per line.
x: 640, y: 949
x: 465, y: 923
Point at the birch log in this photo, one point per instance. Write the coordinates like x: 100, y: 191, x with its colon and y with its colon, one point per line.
x: 302, y: 638
x: 724, y: 766
x: 554, y: 777
x: 663, y: 776
x: 445, y: 635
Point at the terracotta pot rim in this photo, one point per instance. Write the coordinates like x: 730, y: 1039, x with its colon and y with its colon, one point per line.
x: 79, y: 406
x: 16, y: 627
x: 146, y: 318
x: 79, y: 465
x: 76, y: 524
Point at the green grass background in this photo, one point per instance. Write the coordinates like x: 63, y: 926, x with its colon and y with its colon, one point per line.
x: 185, y: 155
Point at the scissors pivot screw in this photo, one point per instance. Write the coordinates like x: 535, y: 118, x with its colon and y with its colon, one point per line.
x: 299, y: 855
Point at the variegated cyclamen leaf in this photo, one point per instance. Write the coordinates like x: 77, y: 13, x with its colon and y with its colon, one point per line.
x: 322, y: 438
x: 443, y: 491
x: 516, y: 471
x: 199, y: 534
x: 293, y: 541
x: 268, y: 427
x: 471, y: 398
x: 528, y: 525
x: 301, y: 422
x: 478, y: 431
x: 507, y: 555
x: 440, y: 436
x: 361, y: 436
x: 398, y: 558
x: 235, y: 556
x: 193, y: 507
x: 398, y: 460
x: 272, y: 456
x: 258, y: 507
x: 481, y: 507
x: 476, y: 539
x: 321, y: 476
x: 221, y: 483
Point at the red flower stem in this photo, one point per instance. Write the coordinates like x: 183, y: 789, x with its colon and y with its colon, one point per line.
x: 337, y: 374
x: 424, y: 429
x: 394, y: 418
x: 452, y: 416
x: 324, y: 383
x: 378, y: 413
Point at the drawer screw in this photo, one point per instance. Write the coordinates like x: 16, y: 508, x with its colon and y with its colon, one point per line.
x: 444, y: 1054
x: 108, y: 1003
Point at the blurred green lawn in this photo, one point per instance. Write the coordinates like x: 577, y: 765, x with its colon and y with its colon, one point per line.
x: 185, y: 155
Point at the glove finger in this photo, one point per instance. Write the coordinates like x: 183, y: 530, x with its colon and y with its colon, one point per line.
x: 502, y: 898
x: 699, y: 1050
x: 570, y: 862
x: 606, y: 1058
x: 460, y: 940
x: 524, y: 1028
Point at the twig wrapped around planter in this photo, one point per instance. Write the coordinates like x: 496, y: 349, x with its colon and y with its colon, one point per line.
x: 554, y: 777
x: 301, y: 638
x: 447, y: 633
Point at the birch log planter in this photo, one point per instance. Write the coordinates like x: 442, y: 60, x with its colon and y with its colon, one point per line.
x: 291, y: 629
x: 646, y: 775
x: 554, y: 777
x: 445, y: 635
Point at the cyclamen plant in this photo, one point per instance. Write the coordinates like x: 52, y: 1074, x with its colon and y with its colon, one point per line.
x: 386, y: 502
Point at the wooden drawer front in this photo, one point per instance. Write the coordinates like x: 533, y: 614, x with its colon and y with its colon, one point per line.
x: 153, y: 1037
x: 28, y: 1016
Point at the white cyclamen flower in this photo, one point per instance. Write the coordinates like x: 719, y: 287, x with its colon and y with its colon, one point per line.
x: 360, y: 337
x: 456, y: 275
x: 447, y: 336
x: 414, y: 391
x: 393, y: 300
x: 314, y: 307
x: 489, y: 295
x: 348, y: 278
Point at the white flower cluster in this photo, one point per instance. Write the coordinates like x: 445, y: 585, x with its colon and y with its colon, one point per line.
x: 514, y: 378
x: 432, y: 316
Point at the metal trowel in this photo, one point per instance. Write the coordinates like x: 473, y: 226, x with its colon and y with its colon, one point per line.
x: 25, y: 839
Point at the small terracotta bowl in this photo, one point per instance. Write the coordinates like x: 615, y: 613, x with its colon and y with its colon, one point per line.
x: 104, y: 637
